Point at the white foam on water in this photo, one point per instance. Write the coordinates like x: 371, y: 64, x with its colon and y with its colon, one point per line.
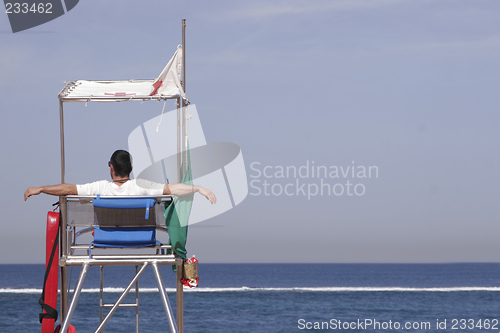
x: 247, y: 289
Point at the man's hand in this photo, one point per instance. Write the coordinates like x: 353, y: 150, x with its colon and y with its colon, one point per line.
x: 184, y: 189
x: 207, y: 194
x: 32, y: 191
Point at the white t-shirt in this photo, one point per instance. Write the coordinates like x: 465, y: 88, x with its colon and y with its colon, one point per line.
x: 104, y: 187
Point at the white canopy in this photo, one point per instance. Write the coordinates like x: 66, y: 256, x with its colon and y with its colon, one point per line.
x: 167, y: 85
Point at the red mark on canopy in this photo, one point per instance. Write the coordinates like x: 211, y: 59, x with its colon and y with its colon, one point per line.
x: 156, y: 85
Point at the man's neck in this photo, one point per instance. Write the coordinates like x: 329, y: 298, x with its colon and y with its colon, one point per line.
x: 120, y: 180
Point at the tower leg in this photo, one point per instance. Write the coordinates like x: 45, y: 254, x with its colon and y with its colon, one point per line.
x: 76, y: 295
x: 164, y: 298
x: 180, y: 295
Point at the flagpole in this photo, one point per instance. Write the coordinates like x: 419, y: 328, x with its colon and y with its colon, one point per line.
x: 184, y: 55
x: 179, y: 261
x: 179, y: 136
x: 184, y: 104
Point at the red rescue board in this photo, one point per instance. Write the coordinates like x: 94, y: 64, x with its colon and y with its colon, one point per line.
x: 71, y: 329
x: 52, y: 279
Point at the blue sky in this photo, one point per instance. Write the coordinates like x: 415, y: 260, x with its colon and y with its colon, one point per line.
x: 407, y: 86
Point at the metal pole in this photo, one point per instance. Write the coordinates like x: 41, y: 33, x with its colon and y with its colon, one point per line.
x: 164, y: 298
x: 184, y: 109
x: 179, y: 261
x: 184, y: 139
x: 184, y: 55
x: 180, y: 108
x: 101, y: 295
x: 62, y: 207
x: 61, y: 133
x: 179, y: 171
x: 136, y: 301
x: 76, y: 295
x: 180, y: 295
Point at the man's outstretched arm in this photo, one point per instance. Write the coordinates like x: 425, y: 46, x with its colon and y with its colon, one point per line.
x: 183, y: 189
x: 61, y: 189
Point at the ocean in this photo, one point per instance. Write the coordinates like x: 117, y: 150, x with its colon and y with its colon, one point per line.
x: 280, y: 298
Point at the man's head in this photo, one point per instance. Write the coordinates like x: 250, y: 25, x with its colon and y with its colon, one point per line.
x: 121, y: 162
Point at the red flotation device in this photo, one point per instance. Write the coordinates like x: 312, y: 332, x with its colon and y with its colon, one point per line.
x: 48, y: 301
x: 71, y: 329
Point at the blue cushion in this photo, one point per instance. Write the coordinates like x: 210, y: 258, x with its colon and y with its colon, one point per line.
x: 125, y: 203
x: 124, y: 237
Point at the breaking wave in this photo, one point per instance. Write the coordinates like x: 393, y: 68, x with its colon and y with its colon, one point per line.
x: 258, y: 289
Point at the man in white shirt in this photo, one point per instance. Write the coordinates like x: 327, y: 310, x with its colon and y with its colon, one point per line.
x: 120, y: 166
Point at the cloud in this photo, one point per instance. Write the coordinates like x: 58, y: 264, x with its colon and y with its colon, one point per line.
x: 476, y: 47
x: 268, y: 10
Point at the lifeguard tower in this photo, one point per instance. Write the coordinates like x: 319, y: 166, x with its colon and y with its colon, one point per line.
x: 122, y: 223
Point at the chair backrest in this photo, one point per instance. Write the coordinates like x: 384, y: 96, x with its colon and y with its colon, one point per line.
x: 124, y: 211
x: 113, y: 215
x: 81, y: 212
